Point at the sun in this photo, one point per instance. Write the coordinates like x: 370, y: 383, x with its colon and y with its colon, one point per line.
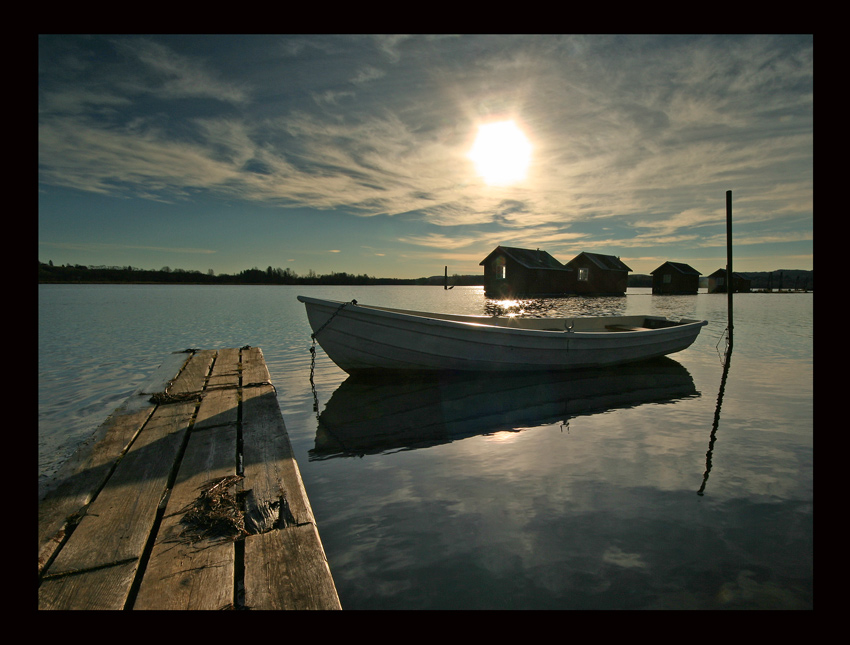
x: 501, y: 153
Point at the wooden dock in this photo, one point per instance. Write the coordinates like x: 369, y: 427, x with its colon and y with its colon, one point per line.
x: 187, y: 497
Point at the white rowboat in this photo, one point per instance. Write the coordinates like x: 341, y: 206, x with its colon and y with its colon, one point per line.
x: 362, y: 338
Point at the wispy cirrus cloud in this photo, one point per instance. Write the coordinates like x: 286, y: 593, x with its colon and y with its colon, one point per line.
x: 171, y: 75
x: 644, y: 134
x: 77, y: 154
x: 80, y: 246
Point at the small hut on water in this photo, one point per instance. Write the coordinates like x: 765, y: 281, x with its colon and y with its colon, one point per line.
x: 717, y: 282
x: 599, y: 275
x: 675, y: 278
x: 511, y: 272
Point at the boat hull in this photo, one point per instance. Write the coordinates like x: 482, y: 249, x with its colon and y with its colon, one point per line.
x: 361, y: 338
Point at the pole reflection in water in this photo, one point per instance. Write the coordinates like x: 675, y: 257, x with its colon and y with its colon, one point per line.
x: 726, y: 359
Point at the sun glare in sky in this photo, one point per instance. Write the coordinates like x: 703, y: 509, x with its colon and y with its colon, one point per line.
x: 501, y: 153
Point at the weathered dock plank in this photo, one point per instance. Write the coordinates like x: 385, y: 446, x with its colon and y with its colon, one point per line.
x: 287, y: 570
x: 182, y: 574
x: 98, y: 586
x: 270, y: 468
x: 113, y: 530
x: 115, y: 527
x: 85, y: 473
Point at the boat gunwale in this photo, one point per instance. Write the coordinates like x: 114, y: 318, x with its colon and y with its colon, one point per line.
x: 456, y: 320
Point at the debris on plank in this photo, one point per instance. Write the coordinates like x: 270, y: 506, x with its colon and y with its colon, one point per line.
x: 215, y: 514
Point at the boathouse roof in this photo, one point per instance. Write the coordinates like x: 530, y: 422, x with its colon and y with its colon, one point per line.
x: 681, y: 267
x: 529, y: 258
x: 722, y: 272
x: 606, y: 262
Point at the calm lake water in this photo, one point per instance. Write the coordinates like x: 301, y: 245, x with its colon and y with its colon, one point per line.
x: 618, y: 489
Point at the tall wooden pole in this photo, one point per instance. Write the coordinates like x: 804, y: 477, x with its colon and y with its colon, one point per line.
x: 729, y: 280
x: 446, y: 277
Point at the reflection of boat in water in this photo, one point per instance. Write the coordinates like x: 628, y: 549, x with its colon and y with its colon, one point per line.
x: 370, y: 414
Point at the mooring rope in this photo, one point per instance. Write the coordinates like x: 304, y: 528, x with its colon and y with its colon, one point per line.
x: 725, y: 353
x: 313, y: 351
x: 338, y: 309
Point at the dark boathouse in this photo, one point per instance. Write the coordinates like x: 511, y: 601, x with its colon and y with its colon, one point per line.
x: 675, y: 278
x: 598, y: 275
x: 717, y: 282
x: 510, y: 272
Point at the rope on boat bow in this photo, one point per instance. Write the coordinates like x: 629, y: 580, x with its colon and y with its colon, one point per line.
x: 340, y: 308
x: 313, y: 351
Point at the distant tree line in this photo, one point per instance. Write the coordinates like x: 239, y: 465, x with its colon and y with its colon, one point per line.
x: 782, y: 279
x: 50, y: 273
x: 785, y: 279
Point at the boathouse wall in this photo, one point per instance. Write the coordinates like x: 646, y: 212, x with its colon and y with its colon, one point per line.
x: 598, y: 275
x: 512, y: 272
x: 675, y: 278
x: 717, y: 282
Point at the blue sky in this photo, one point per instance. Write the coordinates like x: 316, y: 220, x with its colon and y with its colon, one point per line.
x: 351, y: 153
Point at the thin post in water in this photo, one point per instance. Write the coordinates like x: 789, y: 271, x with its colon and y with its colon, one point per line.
x: 729, y: 280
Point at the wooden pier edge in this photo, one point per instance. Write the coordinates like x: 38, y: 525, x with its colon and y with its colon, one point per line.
x: 113, y: 526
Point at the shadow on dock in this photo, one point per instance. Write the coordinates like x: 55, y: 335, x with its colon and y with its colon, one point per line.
x: 111, y: 530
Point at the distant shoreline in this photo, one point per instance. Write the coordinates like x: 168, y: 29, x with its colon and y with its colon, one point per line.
x: 783, y: 280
